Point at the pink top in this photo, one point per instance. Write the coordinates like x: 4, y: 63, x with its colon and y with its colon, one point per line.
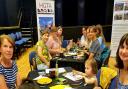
x: 53, y: 44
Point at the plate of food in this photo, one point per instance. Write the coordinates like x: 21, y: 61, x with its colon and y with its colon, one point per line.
x: 72, y: 53
x: 44, y: 80
x: 66, y: 54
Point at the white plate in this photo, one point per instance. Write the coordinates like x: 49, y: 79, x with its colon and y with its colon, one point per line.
x: 72, y: 53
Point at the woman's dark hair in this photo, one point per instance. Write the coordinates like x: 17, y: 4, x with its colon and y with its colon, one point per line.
x: 123, y: 40
x: 99, y: 28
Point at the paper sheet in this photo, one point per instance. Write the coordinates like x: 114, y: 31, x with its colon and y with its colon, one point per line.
x: 39, y: 77
x: 72, y: 76
x: 60, y: 70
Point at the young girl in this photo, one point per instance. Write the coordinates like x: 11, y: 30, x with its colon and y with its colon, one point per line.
x: 90, y: 72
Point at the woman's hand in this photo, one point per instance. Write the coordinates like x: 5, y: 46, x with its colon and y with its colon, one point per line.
x: 59, y: 50
x: 48, y: 64
x: 97, y: 88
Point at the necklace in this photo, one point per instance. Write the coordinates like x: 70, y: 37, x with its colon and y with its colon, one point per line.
x: 6, y: 65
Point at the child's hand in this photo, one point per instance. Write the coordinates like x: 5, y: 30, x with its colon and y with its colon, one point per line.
x: 85, y: 79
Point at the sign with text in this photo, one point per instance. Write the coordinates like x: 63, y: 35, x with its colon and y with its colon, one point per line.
x: 120, y: 24
x: 45, y: 10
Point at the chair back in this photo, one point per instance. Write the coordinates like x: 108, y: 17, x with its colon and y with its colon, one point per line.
x: 17, y: 36
x: 65, y: 43
x: 32, y: 55
x: 20, y: 34
x: 113, y: 81
x: 13, y: 36
x: 105, y: 56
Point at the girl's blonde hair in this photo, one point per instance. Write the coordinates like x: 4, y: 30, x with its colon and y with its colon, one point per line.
x: 93, y: 64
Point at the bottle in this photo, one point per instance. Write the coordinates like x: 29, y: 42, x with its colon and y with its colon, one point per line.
x: 78, y: 42
x: 57, y: 69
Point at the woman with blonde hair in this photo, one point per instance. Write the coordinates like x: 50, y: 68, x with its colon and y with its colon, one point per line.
x: 9, y: 76
x: 100, y: 35
x: 53, y: 43
x: 85, y: 41
x: 59, y: 33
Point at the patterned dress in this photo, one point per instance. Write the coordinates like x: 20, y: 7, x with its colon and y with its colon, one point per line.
x: 44, y: 53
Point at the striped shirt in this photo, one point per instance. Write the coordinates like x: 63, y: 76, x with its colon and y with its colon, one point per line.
x: 9, y: 74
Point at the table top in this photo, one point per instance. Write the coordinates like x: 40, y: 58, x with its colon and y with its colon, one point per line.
x: 79, y: 84
x: 70, y: 61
